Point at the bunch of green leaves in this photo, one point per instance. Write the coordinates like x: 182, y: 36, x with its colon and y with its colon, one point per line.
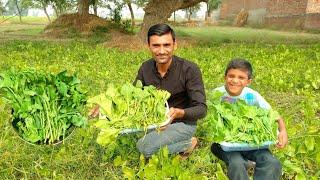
x: 239, y: 122
x: 128, y: 107
x: 44, y: 106
x: 159, y: 166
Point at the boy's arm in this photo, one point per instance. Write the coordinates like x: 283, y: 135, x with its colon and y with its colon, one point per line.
x: 282, y: 136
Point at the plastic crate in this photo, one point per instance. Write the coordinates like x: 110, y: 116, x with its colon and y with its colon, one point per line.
x: 227, y: 146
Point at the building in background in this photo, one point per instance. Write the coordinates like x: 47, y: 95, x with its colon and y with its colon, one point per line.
x: 302, y: 14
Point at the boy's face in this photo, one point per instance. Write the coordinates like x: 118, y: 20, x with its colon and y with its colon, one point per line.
x: 236, y: 80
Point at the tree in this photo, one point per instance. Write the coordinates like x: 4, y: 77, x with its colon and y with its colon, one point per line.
x: 83, y: 7
x: 62, y: 6
x: 2, y: 9
x: 128, y: 2
x: 158, y: 11
x: 42, y: 4
x: 94, y: 4
x: 139, y: 3
x: 212, y: 5
x: 191, y: 11
x: 18, y: 7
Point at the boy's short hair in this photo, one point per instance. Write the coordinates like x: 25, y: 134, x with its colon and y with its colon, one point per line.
x: 241, y: 64
x: 159, y: 30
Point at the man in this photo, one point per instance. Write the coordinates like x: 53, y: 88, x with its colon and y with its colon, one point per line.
x: 187, y: 101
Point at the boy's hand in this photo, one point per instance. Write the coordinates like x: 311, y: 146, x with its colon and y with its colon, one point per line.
x: 282, y: 139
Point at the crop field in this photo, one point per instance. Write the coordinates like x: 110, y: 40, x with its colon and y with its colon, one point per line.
x: 286, y: 74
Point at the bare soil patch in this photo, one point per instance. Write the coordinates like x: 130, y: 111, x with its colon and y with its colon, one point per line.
x: 125, y: 42
x: 72, y: 23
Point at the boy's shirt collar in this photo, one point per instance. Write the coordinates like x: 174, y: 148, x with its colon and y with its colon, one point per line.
x: 240, y: 95
x: 250, y: 96
x: 244, y: 95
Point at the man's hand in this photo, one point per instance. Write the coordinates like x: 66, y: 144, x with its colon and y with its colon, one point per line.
x: 282, y: 139
x: 172, y: 114
x: 175, y: 113
x: 94, y: 112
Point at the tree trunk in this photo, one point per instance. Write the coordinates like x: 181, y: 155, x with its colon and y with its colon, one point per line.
x: 19, y: 10
x: 95, y: 10
x: 132, y: 14
x: 44, y: 6
x: 83, y: 7
x: 55, y: 10
x: 207, y: 12
x: 158, y: 11
x: 189, y: 15
x: 208, y: 16
x: 95, y: 7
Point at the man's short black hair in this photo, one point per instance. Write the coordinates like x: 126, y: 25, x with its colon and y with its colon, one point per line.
x: 241, y: 64
x: 159, y: 30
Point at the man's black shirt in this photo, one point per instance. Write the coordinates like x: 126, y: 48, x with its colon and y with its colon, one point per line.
x: 184, y: 82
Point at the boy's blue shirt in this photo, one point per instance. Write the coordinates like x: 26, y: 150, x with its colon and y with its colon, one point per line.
x: 250, y: 96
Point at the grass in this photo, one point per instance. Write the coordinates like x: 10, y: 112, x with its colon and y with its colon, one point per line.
x: 285, y: 74
x: 30, y: 28
x: 22, y: 29
x: 25, y: 20
x: 279, y: 77
x: 206, y: 36
x: 246, y: 35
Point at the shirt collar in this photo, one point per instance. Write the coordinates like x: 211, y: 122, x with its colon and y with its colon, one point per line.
x: 171, y: 67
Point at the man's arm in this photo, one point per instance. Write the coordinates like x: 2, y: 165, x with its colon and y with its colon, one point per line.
x: 196, y: 93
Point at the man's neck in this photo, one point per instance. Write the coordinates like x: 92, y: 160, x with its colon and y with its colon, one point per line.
x: 163, y: 68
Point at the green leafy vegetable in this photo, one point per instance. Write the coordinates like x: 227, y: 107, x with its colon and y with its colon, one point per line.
x: 44, y: 106
x: 239, y: 122
x: 128, y: 107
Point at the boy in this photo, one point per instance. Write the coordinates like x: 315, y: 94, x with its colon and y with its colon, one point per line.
x: 238, y: 75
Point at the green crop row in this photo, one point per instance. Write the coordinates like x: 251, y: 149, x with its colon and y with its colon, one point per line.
x: 286, y: 75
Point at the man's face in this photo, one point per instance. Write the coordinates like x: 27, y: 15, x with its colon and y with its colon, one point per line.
x: 162, y: 47
x: 236, y: 80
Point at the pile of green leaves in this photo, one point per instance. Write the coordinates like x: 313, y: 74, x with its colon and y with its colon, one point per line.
x: 128, y: 107
x: 238, y: 122
x: 160, y: 166
x: 44, y: 106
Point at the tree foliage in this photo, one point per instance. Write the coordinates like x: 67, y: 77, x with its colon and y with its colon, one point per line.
x: 62, y: 6
x: 190, y: 11
x: 158, y: 11
x: 213, y: 4
x: 18, y: 7
x: 2, y: 8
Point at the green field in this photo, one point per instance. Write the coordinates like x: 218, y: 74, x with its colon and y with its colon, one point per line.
x: 285, y: 73
x: 248, y: 35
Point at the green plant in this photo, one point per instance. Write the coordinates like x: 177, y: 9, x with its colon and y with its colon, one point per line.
x: 128, y: 107
x: 238, y: 122
x: 44, y: 107
x: 285, y: 67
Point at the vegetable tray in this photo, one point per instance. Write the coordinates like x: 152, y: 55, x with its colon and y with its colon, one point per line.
x: 227, y: 146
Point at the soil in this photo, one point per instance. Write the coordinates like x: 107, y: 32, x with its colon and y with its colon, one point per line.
x: 125, y: 42
x: 68, y: 26
x: 68, y: 23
